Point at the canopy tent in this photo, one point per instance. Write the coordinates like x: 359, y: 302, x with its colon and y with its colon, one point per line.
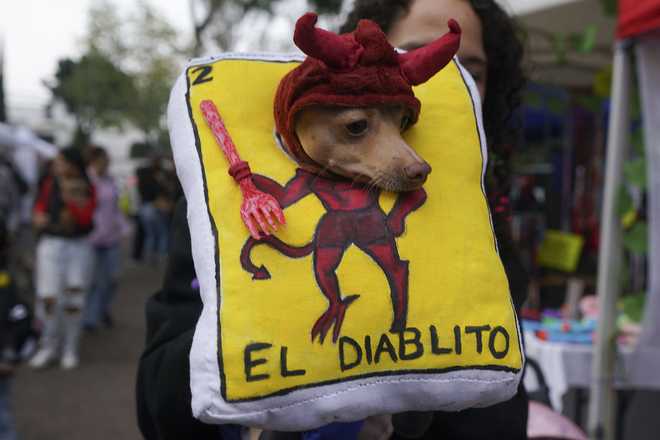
x: 638, y: 27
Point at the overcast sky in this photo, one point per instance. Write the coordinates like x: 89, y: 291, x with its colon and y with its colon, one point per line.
x: 37, y: 33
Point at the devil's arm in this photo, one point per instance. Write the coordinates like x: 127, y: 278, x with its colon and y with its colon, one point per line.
x: 258, y: 209
x: 294, y: 190
x: 405, y: 204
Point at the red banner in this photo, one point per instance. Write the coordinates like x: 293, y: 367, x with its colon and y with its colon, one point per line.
x: 637, y: 17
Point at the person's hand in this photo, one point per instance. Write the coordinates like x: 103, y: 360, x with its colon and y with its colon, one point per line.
x: 40, y: 220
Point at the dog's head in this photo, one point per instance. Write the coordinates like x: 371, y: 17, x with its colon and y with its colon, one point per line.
x: 344, y: 108
x: 363, y: 144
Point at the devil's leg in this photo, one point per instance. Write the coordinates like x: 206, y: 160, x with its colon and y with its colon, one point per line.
x: 326, y: 261
x: 385, y: 254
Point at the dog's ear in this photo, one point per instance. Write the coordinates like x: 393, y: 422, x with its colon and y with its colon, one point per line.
x: 421, y: 64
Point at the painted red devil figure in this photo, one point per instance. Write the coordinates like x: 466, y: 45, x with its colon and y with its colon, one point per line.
x: 340, y: 115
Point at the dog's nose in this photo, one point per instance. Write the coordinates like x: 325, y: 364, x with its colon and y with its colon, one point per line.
x: 417, y: 172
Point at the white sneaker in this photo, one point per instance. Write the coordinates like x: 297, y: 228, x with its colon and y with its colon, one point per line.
x: 69, y: 361
x: 42, y: 358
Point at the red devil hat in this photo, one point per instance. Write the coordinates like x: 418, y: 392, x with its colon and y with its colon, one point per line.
x: 358, y: 69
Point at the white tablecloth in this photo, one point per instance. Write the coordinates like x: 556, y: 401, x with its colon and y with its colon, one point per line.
x: 568, y: 366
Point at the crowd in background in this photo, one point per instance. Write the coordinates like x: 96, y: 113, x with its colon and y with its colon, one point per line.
x: 61, y: 248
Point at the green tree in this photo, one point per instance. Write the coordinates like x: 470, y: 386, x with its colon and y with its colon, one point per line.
x: 146, y: 46
x: 94, y: 90
x: 218, y: 19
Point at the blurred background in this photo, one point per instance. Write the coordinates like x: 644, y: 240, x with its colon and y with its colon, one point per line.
x: 97, y: 73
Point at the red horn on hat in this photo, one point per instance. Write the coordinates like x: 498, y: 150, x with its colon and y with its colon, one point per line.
x: 421, y: 64
x: 334, y: 50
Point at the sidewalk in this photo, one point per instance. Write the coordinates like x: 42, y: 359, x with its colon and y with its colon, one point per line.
x: 95, y: 401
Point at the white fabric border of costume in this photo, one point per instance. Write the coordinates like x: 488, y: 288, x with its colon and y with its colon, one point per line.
x: 306, y: 408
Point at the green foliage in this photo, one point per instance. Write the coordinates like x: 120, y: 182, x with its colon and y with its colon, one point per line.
x: 585, y: 41
x: 141, y: 150
x: 577, y: 43
x: 217, y: 19
x: 94, y: 90
x: 624, y: 203
x: 326, y: 6
x: 560, y: 47
x: 635, y: 172
x: 637, y: 140
x: 610, y: 7
x: 635, y: 240
x: 633, y: 306
x: 146, y: 46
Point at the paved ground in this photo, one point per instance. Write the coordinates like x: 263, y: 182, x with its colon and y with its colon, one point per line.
x: 95, y: 401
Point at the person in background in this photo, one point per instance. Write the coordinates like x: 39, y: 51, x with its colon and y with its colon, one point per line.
x: 63, y: 216
x: 13, y: 187
x: 155, y: 209
x: 109, y: 225
x: 492, y: 53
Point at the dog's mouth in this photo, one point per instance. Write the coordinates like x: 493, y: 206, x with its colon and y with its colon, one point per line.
x: 388, y: 181
x: 396, y: 182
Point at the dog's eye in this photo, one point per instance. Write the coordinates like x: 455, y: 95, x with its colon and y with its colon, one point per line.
x: 405, y: 122
x: 357, y: 128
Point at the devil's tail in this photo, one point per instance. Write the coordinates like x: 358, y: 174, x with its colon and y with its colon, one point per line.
x: 261, y: 273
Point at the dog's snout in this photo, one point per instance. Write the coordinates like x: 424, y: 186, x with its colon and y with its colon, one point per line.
x: 417, y: 172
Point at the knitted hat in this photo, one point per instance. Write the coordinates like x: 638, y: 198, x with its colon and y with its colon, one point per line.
x: 358, y: 69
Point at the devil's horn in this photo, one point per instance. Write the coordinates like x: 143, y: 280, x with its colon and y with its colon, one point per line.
x: 421, y: 64
x: 328, y: 47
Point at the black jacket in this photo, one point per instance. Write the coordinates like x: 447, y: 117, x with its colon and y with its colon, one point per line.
x: 163, y: 382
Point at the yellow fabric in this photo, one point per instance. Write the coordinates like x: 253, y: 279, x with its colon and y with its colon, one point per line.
x: 456, y: 277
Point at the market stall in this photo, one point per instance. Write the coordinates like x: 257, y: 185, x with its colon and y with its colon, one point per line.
x: 638, y: 28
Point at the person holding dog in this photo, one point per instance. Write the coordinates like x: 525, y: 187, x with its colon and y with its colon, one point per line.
x: 63, y: 217
x: 492, y: 54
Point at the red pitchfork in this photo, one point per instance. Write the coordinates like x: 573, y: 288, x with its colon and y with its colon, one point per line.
x: 260, y: 211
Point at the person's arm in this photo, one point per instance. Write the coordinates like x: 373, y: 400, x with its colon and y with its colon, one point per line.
x: 163, y: 381
x: 40, y: 210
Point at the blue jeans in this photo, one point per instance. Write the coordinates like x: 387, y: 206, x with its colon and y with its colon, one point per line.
x: 7, y: 430
x: 155, y: 225
x: 104, y: 284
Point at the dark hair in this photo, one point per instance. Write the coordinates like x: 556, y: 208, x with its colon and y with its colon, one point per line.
x: 97, y: 153
x: 502, y: 45
x: 506, y: 80
x: 74, y: 156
